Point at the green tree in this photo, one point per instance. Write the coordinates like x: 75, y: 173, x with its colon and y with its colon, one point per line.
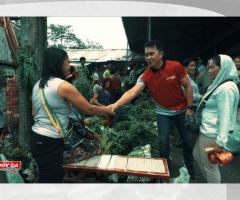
x: 62, y: 36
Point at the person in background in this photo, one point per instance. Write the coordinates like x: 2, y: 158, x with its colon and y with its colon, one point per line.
x: 73, y: 75
x: 47, y: 144
x: 202, y: 79
x: 219, y: 114
x: 190, y: 66
x: 95, y: 76
x: 106, y: 73
x: 237, y: 64
x: 125, y: 79
x: 101, y: 94
x: 133, y: 75
x: 164, y: 79
x: 116, y: 90
x: 83, y: 71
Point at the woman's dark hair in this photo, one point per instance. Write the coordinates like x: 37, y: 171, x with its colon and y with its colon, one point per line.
x: 52, y: 65
x: 216, y: 60
x: 105, y: 82
x: 154, y: 43
x: 187, y: 61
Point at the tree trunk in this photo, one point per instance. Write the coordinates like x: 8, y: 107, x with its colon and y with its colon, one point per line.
x: 33, y: 40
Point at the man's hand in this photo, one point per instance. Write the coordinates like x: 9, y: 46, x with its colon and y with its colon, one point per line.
x: 113, y: 107
x: 189, y: 113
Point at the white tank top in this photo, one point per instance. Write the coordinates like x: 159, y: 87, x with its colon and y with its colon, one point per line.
x: 42, y: 124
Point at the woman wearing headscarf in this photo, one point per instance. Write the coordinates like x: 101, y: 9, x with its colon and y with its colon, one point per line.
x: 219, y: 114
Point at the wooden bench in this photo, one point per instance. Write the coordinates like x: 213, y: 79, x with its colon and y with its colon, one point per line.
x: 150, y: 167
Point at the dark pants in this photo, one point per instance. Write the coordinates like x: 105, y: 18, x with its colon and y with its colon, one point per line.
x: 48, y: 153
x: 165, y: 128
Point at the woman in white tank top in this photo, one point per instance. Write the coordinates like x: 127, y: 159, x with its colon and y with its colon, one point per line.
x: 47, y: 144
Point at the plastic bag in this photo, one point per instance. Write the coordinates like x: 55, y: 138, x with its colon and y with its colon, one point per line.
x: 184, y: 176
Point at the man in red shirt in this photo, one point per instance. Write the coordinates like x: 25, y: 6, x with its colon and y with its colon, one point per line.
x: 170, y: 88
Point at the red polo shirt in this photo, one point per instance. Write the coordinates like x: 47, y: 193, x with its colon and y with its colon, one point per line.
x: 164, y: 85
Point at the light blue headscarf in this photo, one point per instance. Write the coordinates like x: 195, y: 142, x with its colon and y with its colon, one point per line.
x: 227, y: 71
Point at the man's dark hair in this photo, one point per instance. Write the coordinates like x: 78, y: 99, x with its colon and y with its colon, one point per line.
x: 114, y: 70
x: 216, y: 59
x: 82, y: 59
x: 105, y: 82
x: 186, y: 62
x: 154, y: 43
x: 52, y: 65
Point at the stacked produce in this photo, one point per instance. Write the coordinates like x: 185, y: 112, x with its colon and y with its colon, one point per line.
x: 134, y: 128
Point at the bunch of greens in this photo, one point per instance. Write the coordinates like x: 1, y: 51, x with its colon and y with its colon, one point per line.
x: 134, y: 128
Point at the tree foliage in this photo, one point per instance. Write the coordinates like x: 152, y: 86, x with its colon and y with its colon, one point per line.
x: 62, y: 36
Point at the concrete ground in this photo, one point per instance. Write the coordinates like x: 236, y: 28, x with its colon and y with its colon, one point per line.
x: 230, y: 173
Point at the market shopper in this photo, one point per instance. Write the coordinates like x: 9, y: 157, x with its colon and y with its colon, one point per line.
x: 116, y: 88
x: 190, y: 66
x: 164, y: 80
x: 219, y: 114
x: 106, y: 73
x: 101, y: 93
x: 95, y: 76
x: 47, y: 144
x: 83, y: 69
x: 133, y: 75
x: 202, y: 79
x: 237, y: 64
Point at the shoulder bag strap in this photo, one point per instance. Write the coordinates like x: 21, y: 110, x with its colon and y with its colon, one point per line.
x: 52, y: 117
x: 205, y: 100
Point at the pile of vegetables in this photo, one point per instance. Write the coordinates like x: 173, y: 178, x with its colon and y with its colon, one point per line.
x: 135, y: 127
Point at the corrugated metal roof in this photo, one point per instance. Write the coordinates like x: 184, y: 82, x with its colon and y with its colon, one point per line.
x: 99, y: 55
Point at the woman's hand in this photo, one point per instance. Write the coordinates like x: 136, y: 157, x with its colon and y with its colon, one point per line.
x: 111, y: 110
x: 218, y: 148
x: 214, y: 149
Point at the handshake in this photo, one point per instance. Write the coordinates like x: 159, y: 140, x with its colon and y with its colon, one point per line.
x: 112, y: 108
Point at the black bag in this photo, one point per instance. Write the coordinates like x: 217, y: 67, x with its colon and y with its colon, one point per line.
x: 193, y: 123
x: 75, y: 134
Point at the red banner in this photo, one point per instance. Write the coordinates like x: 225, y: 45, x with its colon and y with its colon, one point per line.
x: 12, y: 166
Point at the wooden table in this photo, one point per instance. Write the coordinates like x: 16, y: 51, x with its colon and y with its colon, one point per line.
x: 150, y: 167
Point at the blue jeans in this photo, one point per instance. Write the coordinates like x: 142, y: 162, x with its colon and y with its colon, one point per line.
x: 165, y: 128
